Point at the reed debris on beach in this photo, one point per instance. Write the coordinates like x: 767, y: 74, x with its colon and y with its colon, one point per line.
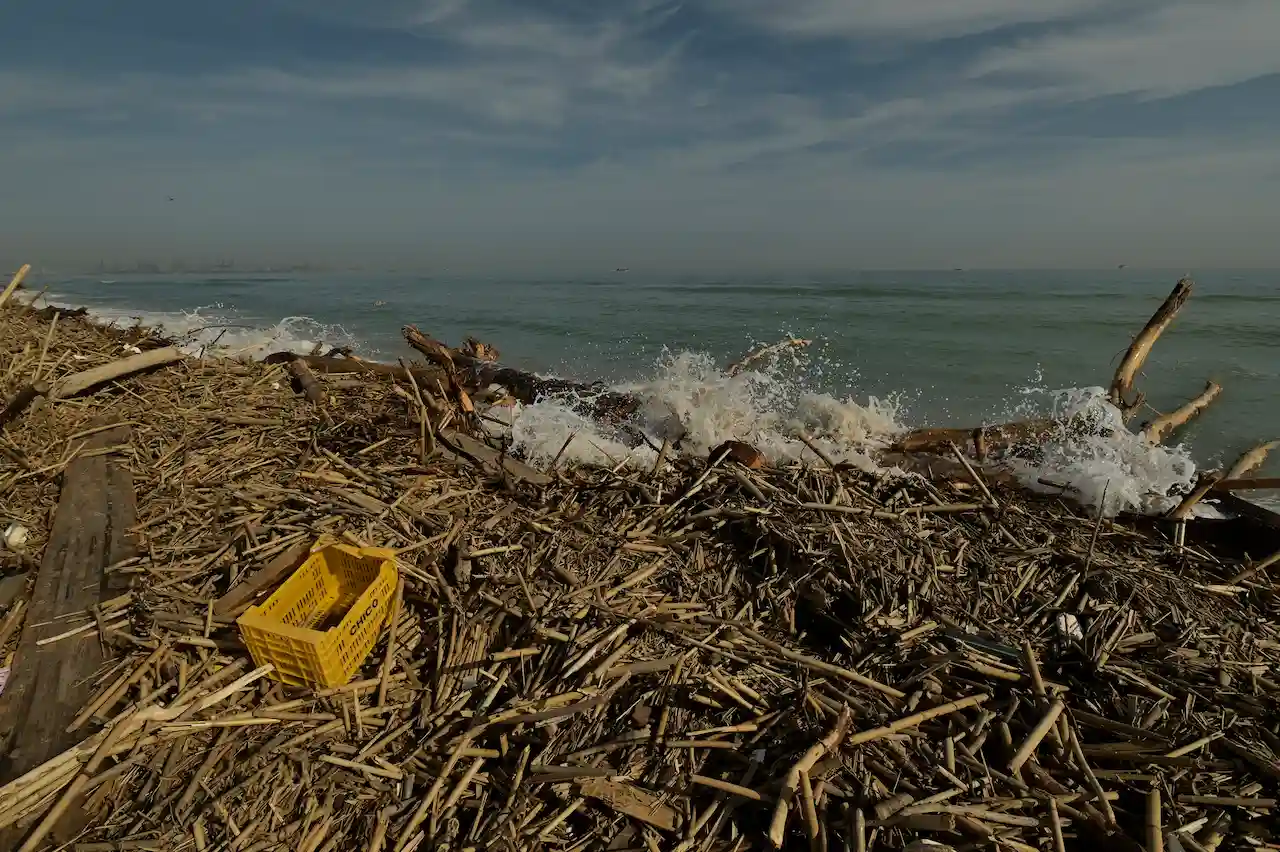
x: 719, y: 653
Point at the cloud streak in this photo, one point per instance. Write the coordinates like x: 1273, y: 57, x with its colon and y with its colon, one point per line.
x: 921, y: 20
x: 651, y: 120
x: 1175, y: 49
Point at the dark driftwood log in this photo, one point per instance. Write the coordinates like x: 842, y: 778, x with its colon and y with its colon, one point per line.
x: 470, y: 373
x: 986, y: 439
x: 1140, y: 348
x: 1256, y: 483
x: 21, y: 400
x: 329, y: 365
x: 50, y: 684
x: 239, y: 596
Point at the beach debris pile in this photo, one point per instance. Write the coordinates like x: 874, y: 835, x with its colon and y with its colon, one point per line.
x: 717, y: 654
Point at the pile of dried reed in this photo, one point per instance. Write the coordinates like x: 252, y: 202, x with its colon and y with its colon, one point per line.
x: 713, y: 656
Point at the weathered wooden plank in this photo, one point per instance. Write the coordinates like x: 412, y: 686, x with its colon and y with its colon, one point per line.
x: 486, y: 454
x: 50, y: 684
x: 1260, y: 515
x: 239, y: 596
x: 1253, y: 483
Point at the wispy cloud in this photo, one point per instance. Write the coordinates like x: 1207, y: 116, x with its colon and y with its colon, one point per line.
x: 911, y: 122
x: 1175, y: 48
x: 908, y: 20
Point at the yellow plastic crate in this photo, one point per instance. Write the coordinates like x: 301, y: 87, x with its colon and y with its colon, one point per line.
x: 318, y: 628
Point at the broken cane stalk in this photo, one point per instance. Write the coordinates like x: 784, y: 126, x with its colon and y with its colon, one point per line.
x: 14, y: 283
x: 791, y: 783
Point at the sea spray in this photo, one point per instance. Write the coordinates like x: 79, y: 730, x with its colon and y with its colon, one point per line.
x: 215, y: 330
x: 1105, y: 467
x: 770, y: 408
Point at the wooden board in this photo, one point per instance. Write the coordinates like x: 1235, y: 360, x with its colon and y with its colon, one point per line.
x: 1256, y: 514
x: 241, y: 595
x: 50, y: 684
x: 486, y: 454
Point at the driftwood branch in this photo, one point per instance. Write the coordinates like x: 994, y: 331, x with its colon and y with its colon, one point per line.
x: 436, y: 352
x: 1140, y: 348
x: 330, y: 365
x: 21, y: 400
x: 1157, y: 429
x: 984, y: 440
x: 14, y: 283
x: 480, y: 350
x: 473, y: 374
x: 763, y: 352
x: 1251, y: 460
x: 78, y: 383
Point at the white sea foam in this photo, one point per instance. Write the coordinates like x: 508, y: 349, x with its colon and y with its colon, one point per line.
x: 215, y: 330
x: 772, y: 408
x: 1116, y: 470
x: 767, y: 409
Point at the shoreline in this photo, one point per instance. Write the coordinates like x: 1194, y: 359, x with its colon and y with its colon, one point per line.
x: 972, y: 370
x: 587, y: 653
x: 1093, y: 491
x: 1268, y: 499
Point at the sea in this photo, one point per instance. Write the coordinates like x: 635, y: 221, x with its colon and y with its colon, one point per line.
x: 890, y: 351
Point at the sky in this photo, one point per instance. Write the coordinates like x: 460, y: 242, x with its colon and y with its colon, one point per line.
x: 570, y: 135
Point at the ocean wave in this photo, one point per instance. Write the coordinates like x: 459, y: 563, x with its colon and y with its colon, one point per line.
x: 219, y: 331
x: 775, y: 411
x: 779, y: 410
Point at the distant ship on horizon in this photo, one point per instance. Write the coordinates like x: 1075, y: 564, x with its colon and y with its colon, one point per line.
x: 622, y: 269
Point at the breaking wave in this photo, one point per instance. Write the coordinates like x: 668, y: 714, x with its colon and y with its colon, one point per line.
x: 216, y: 330
x: 778, y: 409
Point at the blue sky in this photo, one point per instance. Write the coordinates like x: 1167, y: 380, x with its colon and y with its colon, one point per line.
x: 557, y: 135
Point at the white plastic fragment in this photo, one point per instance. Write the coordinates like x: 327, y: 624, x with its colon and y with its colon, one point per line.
x: 1069, y: 627
x: 15, y: 536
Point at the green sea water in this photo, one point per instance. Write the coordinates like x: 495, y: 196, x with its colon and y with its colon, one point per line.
x: 956, y: 348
